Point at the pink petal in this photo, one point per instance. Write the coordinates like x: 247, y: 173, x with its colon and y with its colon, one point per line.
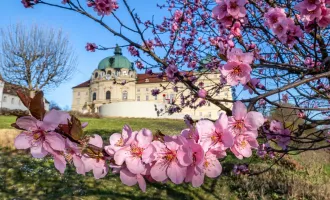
x: 114, y: 138
x: 53, y: 118
x: 100, y: 172
x: 38, y: 151
x: 80, y: 167
x: 214, y: 169
x: 236, y: 153
x: 88, y: 163
x: 176, y: 172
x: 254, y: 120
x: 60, y: 163
x: 205, y: 129
x: 184, y: 156
x: 96, y: 141
x: 55, y: 140
x: 158, y: 171
x: 127, y: 177
x: 239, y: 110
x: 148, y: 154
x: 23, y: 141
x: 222, y: 123
x: 84, y: 124
x: 144, y: 138
x: 142, y: 183
x: 121, y: 155
x: 135, y: 165
x: 227, y: 138
x: 197, y: 179
x: 27, y: 122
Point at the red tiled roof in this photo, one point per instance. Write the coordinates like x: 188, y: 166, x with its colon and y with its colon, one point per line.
x: 141, y: 78
x: 84, y: 84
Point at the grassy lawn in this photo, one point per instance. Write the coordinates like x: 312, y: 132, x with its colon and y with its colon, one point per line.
x: 22, y: 177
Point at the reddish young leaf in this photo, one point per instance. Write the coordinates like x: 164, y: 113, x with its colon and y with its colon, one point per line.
x: 37, y: 106
x: 26, y: 100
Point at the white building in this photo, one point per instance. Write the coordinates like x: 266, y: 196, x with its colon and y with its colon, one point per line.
x: 9, y: 99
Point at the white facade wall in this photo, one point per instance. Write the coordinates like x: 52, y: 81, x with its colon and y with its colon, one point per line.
x: 12, y: 102
x: 2, y: 84
x: 140, y: 109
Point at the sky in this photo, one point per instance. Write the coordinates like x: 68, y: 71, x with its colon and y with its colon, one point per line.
x: 80, y: 30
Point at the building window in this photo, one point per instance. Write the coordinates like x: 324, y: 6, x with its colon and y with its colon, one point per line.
x: 138, y: 98
x: 19, y: 102
x: 78, y: 101
x: 125, y: 73
x: 210, y: 114
x: 78, y: 93
x: 147, y: 89
x: 208, y: 103
x: 156, y: 97
x: 125, y: 94
x: 94, y: 96
x: 172, y: 98
x: 4, y: 99
x: 164, y: 78
x: 200, y: 114
x: 109, y: 72
x: 96, y: 75
x: 138, y: 90
x: 12, y: 100
x: 147, y: 98
x: 147, y: 80
x: 108, y: 95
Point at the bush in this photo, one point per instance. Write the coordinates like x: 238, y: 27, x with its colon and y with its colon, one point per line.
x: 80, y: 114
x: 15, y: 112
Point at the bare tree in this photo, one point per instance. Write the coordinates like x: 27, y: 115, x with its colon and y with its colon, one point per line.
x: 36, y: 57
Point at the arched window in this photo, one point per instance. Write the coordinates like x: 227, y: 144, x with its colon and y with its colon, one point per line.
x: 108, y: 95
x: 96, y: 75
x: 125, y: 95
x: 4, y: 99
x: 109, y: 72
x: 94, y: 96
x: 12, y: 100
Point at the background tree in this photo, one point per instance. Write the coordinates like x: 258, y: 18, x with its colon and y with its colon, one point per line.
x: 35, y: 57
x: 54, y: 105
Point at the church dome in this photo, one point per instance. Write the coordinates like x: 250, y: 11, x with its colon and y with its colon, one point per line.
x: 117, y: 61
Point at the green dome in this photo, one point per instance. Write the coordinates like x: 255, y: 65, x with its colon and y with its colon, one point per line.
x: 117, y: 61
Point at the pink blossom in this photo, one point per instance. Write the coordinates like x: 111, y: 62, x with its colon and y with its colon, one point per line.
x: 237, y: 55
x: 242, y: 146
x: 236, y: 8
x: 96, y: 163
x: 202, y: 93
x: 324, y: 20
x: 105, y: 7
x: 130, y: 179
x: 236, y: 72
x: 254, y: 83
x: 202, y: 165
x: 73, y: 153
x: 220, y: 11
x: 133, y: 51
x: 276, y: 126
x: 283, y: 138
x: 285, y: 98
x: 118, y: 141
x: 243, y: 122
x: 236, y: 29
x: 273, y: 16
x: 132, y: 154
x: 281, y: 27
x: 91, y: 47
x: 172, y: 158
x: 215, y: 136
x: 171, y: 70
x: 301, y: 114
x: 308, y: 11
x: 37, y: 133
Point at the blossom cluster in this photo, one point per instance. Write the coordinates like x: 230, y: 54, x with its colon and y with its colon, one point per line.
x: 140, y: 155
x: 283, y: 27
x: 314, y: 11
x: 276, y: 131
x: 103, y: 7
x: 228, y: 10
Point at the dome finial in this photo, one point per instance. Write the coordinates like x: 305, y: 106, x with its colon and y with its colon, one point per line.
x: 118, y: 50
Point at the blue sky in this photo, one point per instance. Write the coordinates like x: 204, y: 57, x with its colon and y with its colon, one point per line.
x: 80, y: 30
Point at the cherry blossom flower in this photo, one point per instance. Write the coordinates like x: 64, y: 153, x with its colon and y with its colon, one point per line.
x: 73, y: 153
x: 236, y: 72
x: 242, y: 146
x: 37, y: 133
x: 118, y: 141
x: 97, y: 163
x: 132, y: 154
x: 236, y: 8
x: 91, y: 47
x: 237, y: 55
x: 202, y: 93
x: 243, y: 122
x: 172, y: 159
x: 105, y: 7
